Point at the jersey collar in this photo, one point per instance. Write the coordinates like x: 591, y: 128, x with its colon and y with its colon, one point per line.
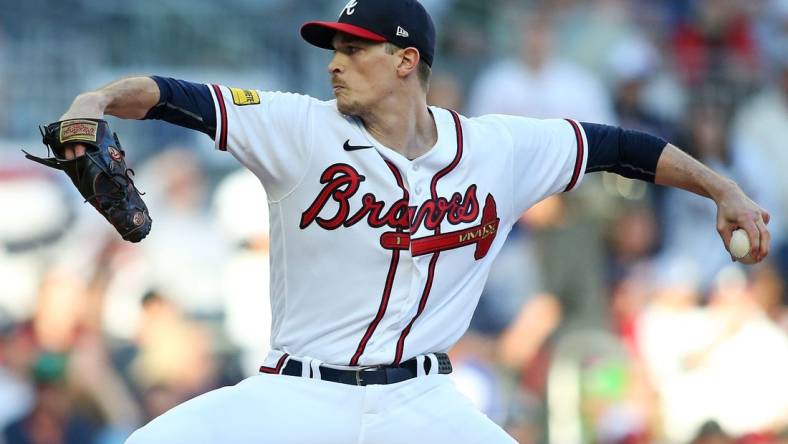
x: 437, y: 157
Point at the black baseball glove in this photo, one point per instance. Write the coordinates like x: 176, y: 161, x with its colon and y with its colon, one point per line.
x: 100, y: 175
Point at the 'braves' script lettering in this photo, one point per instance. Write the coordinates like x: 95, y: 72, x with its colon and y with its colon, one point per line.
x: 342, y: 182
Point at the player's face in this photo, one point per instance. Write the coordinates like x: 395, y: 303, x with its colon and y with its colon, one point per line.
x: 362, y: 74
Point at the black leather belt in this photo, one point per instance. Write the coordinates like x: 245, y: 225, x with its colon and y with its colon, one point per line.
x: 373, y: 375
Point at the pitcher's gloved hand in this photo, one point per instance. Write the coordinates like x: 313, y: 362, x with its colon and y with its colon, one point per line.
x: 100, y: 174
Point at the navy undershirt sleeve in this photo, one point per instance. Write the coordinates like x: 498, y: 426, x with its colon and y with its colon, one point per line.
x: 625, y: 152
x: 185, y: 104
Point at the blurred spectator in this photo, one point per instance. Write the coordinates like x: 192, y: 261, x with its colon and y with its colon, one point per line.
x: 773, y: 30
x: 37, y: 212
x: 560, y: 225
x: 762, y: 126
x: 521, y: 343
x: 40, y: 198
x: 612, y: 401
x: 587, y: 31
x: 747, y: 343
x: 79, y: 396
x: 241, y: 206
x: 446, y: 92
x: 436, y: 8
x: 782, y: 436
x: 95, y: 380
x: 536, y: 82
x: 524, y: 417
x: 698, y: 358
x: 633, y: 65
x: 594, y: 392
x: 716, y: 42
x: 478, y: 375
x: 670, y: 328
x: 475, y: 374
x: 711, y: 433
x: 60, y: 311
x: 633, y: 240
x: 174, y: 352
x: 572, y: 295
x: 515, y: 278
x: 53, y: 418
x: 4, y: 74
x: 17, y: 394
x: 185, y: 250
x: 769, y: 289
x: 158, y: 399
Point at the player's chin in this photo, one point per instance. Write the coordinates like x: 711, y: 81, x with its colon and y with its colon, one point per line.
x: 347, y: 107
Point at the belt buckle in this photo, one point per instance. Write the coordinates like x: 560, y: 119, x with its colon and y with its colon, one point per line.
x: 359, y: 380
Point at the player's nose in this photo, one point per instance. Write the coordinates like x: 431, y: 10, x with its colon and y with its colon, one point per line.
x: 334, y: 66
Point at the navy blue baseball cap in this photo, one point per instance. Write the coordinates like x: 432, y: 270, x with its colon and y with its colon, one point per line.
x: 404, y: 23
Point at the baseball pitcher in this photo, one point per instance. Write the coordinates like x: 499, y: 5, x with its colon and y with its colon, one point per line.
x: 385, y: 217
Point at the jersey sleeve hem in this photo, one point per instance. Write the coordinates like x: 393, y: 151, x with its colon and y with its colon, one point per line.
x: 581, y: 158
x: 221, y: 117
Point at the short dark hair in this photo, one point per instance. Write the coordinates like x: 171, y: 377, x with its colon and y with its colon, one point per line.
x: 423, y: 71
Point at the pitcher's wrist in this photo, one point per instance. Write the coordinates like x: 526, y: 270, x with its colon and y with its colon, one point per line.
x: 89, y: 105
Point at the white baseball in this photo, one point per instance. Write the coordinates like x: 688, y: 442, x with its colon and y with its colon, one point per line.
x: 740, y: 244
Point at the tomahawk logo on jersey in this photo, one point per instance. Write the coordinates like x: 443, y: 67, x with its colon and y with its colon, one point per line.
x: 376, y: 257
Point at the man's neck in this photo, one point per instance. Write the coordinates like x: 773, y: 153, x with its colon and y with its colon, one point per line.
x: 406, y: 126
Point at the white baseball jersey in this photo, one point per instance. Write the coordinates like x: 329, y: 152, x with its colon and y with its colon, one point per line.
x: 376, y: 258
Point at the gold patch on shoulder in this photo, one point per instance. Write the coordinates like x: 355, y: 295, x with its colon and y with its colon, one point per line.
x: 85, y: 130
x: 242, y: 97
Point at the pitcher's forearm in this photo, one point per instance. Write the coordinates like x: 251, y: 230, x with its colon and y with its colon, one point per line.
x: 129, y: 98
x: 678, y: 169
x: 734, y: 208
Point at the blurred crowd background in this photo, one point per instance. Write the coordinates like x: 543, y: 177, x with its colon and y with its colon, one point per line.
x: 613, y: 315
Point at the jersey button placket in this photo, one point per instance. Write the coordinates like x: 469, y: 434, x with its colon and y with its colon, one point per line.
x: 416, y: 179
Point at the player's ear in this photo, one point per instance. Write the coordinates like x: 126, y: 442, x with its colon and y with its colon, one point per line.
x: 409, y: 61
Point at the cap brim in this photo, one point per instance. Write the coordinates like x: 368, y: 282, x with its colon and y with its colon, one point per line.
x: 321, y: 34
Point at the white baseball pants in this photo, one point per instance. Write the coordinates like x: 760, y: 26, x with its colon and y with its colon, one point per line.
x: 284, y: 409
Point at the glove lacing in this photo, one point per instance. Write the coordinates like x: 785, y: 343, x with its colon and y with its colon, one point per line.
x: 121, y: 194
